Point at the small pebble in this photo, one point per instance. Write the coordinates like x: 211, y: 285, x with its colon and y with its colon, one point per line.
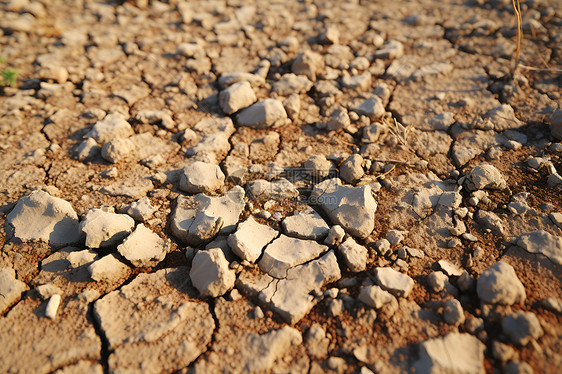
x: 258, y: 313
x: 469, y: 237
x: 52, y: 306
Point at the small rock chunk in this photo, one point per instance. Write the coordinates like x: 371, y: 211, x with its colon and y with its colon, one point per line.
x: 353, y: 208
x: 118, y: 149
x: 199, y: 218
x: 352, y: 168
x: 335, y: 235
x: 88, y: 149
x: 390, y: 50
x: 103, y: 229
x: 372, y: 108
x: 436, y: 281
x: 238, y: 96
x: 398, y: 284
x: 285, y: 252
x: 394, y: 237
x: 278, y: 189
x: 453, y: 353
x: 449, y: 268
x: 263, y: 114
x: 499, y: 285
x: 10, y: 288
x: 291, y: 83
x: 316, y: 341
x: 306, y: 225
x: 40, y: 216
x: 485, y: 176
x: 111, y: 127
x: 201, y: 177
x: 553, y: 304
x: 453, y: 313
x: 107, y: 268
x: 140, y: 210
x: 354, y: 255
x: 291, y: 297
x: 308, y: 63
x: 522, y: 327
x: 143, y: 248
x: 261, y: 352
x: 210, y: 273
x: 338, y: 120
x: 490, y: 220
x: 317, y: 166
x: 544, y: 243
x: 52, y: 306
x: 556, y: 124
x: 375, y: 297
x: 250, y: 238
x: 156, y: 116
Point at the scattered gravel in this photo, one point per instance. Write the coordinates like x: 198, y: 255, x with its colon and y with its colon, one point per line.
x: 296, y: 187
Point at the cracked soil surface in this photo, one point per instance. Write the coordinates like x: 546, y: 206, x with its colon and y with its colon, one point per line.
x: 447, y: 165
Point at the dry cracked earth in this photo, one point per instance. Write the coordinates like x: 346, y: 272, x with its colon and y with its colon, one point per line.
x: 280, y: 186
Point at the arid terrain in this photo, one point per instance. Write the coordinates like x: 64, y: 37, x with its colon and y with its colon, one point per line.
x: 284, y: 186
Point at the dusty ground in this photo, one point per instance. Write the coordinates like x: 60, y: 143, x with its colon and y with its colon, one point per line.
x: 123, y: 57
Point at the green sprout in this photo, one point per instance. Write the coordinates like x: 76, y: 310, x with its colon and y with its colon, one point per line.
x: 8, y: 75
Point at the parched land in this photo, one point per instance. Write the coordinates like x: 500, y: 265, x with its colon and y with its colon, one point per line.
x: 280, y: 186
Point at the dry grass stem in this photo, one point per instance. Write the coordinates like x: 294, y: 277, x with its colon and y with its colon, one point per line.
x: 517, y: 9
x: 554, y: 70
x: 387, y: 172
x: 401, y: 132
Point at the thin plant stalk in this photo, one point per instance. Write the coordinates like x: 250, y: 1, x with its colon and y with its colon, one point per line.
x: 519, y: 35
